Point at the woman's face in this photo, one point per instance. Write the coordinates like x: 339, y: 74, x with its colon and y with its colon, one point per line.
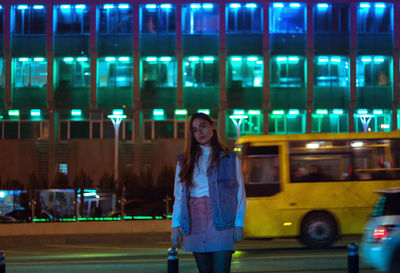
x: 202, y: 131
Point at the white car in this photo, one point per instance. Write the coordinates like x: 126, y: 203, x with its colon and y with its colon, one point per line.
x: 380, y: 246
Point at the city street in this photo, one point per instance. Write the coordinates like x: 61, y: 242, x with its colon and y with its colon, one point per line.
x: 147, y: 255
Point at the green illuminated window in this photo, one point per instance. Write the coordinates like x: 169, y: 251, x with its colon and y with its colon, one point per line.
x: 372, y: 120
x: 292, y: 121
x: 115, y: 71
x: 245, y: 71
x: 249, y: 121
x: 159, y: 71
x: 30, y: 72
x: 200, y: 71
x: 329, y: 121
x: 332, y: 71
x: 374, y: 71
x: 72, y: 72
x: 287, y: 71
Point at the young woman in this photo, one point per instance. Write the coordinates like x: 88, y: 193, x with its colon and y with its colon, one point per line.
x: 210, y: 200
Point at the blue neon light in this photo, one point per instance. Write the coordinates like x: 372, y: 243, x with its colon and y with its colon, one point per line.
x: 108, y: 6
x: 278, y: 5
x: 323, y: 5
x: 151, y: 6
x: 251, y: 5
x: 22, y: 7
x: 235, y: 6
x: 123, y: 6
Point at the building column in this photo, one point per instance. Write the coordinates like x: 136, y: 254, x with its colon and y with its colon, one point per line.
x: 396, y: 57
x: 266, y: 56
x: 310, y: 67
x: 50, y: 95
x: 353, y: 64
x: 179, y: 56
x: 93, y: 57
x: 7, y: 54
x: 222, y: 52
x: 137, y: 104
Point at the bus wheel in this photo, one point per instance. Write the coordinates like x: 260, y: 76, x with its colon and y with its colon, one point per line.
x: 318, y: 230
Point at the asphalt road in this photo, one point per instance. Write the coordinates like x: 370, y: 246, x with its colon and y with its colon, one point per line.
x: 128, y: 255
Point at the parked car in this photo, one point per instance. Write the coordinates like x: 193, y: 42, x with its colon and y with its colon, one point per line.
x: 6, y: 219
x: 139, y: 207
x: 23, y: 214
x: 380, y: 246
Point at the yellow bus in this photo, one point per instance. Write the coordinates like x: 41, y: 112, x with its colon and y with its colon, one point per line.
x: 315, y: 187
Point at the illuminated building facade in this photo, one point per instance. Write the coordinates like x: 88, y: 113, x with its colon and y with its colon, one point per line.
x: 287, y: 67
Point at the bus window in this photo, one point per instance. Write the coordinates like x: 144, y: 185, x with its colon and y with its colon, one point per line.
x: 376, y: 159
x: 319, y: 161
x: 261, y: 171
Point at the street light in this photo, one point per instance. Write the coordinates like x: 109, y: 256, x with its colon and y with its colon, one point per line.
x: 116, y: 118
x: 237, y: 118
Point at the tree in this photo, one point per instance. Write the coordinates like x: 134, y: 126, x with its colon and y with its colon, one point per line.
x: 165, y: 181
x: 106, y: 182
x: 82, y: 182
x: 60, y: 181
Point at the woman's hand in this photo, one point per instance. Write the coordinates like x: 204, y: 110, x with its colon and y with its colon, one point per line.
x: 176, y: 237
x: 238, y: 234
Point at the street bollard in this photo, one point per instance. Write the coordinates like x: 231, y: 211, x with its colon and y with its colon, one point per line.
x: 352, y: 258
x: 2, y: 264
x: 173, y: 262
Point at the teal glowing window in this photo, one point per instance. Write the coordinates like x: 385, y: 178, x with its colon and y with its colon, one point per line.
x: 374, y: 17
x: 287, y: 71
x: 374, y: 71
x: 289, y: 121
x: 158, y: 18
x: 287, y: 18
x: 200, y: 71
x: 28, y: 19
x: 372, y: 120
x: 159, y: 72
x: 200, y: 18
x: 245, y: 71
x: 244, y: 18
x: 72, y: 19
x: 72, y: 72
x: 2, y: 72
x: 332, y: 71
x: 115, y: 18
x: 63, y: 168
x: 1, y: 19
x: 115, y: 71
x: 329, y: 121
x: 248, y: 122
x: 30, y: 72
x: 331, y: 18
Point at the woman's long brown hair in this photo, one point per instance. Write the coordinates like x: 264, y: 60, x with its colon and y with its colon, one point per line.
x: 193, y: 151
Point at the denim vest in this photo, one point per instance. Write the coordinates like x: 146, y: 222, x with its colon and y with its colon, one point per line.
x: 223, y: 189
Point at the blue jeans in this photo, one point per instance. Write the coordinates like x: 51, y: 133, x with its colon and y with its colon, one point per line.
x: 213, y: 262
